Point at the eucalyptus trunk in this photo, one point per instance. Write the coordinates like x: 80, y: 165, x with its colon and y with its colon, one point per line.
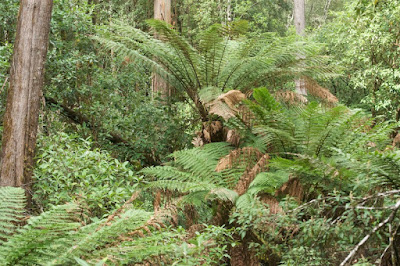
x: 162, y: 11
x: 25, y: 91
x: 300, y: 25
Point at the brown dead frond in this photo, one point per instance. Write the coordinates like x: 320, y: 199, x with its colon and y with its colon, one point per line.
x: 250, y: 174
x: 314, y: 89
x: 238, y: 156
x: 197, y: 141
x: 212, y: 132
x: 226, y: 104
x: 192, y: 230
x: 233, y: 137
x: 396, y: 140
x: 272, y: 203
x: 293, y: 188
x: 290, y: 97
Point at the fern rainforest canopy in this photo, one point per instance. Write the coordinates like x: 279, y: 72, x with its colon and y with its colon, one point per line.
x: 184, y: 141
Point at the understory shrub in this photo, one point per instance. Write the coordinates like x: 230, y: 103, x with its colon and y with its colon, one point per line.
x: 69, y: 169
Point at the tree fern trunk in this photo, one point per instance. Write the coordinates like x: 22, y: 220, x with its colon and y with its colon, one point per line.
x: 23, y: 99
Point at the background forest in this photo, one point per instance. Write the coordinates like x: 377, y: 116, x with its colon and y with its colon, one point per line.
x: 219, y: 134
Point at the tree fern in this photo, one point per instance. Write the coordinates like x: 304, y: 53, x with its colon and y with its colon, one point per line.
x: 223, y: 58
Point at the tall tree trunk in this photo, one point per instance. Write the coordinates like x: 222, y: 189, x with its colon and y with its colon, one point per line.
x: 23, y: 99
x: 162, y: 11
x: 300, y: 25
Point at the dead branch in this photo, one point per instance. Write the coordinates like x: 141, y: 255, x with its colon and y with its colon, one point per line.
x: 389, y: 219
x: 79, y: 118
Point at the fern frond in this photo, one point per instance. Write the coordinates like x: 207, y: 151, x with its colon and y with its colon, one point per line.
x: 42, y: 238
x: 268, y: 182
x: 156, y: 249
x: 94, y: 236
x: 12, y: 208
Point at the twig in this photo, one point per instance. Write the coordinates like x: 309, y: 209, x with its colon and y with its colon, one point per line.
x: 373, y: 208
x: 4, y: 84
x: 383, y: 255
x: 307, y: 204
x: 391, y: 238
x: 376, y: 228
x: 382, y: 194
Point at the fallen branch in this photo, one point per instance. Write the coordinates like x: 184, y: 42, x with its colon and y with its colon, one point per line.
x: 389, y: 219
x: 79, y: 118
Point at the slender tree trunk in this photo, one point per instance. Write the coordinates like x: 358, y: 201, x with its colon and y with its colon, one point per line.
x: 229, y: 11
x: 300, y: 25
x: 299, y: 16
x: 23, y: 99
x: 326, y: 9
x: 162, y: 11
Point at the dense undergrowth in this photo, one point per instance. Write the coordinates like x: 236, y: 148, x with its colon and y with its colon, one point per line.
x: 305, y: 185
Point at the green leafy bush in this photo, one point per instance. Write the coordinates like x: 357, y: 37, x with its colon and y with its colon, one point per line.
x: 69, y: 169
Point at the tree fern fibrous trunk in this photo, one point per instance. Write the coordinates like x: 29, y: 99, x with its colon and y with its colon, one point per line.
x: 23, y: 99
x: 229, y: 11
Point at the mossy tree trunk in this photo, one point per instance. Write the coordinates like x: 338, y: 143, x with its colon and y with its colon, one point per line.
x: 25, y: 91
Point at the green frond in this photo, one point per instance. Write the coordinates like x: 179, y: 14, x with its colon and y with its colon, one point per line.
x: 385, y: 167
x: 208, y: 94
x: 266, y: 100
x: 12, y: 208
x: 42, y: 238
x: 97, y: 236
x: 193, y: 173
x: 183, y: 187
x: 268, y: 182
x: 150, y: 248
x: 202, y: 161
x: 200, y: 198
